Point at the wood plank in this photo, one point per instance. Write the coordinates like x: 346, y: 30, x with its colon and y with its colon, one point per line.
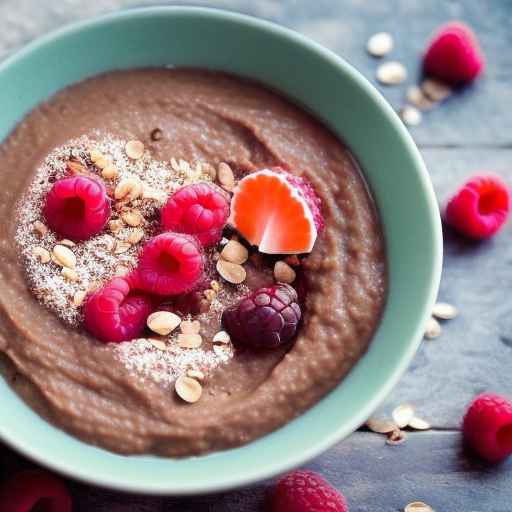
x: 476, y: 116
x: 474, y: 352
x: 430, y: 467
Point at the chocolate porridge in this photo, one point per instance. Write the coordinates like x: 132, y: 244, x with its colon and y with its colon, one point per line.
x: 183, y: 385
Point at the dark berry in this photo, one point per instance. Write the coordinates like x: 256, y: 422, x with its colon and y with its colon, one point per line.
x: 267, y: 318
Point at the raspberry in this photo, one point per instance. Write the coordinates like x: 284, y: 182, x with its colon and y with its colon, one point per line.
x: 487, y: 427
x: 306, y: 190
x: 267, y: 318
x: 31, y: 488
x: 77, y: 207
x: 170, y: 263
x: 306, y: 491
x: 454, y: 55
x: 479, y: 208
x: 199, y: 209
x: 113, y: 314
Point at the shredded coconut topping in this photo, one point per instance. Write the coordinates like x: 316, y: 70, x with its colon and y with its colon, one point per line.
x: 113, y: 251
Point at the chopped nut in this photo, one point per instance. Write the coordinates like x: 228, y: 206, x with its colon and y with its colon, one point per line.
x: 121, y: 271
x: 190, y: 326
x: 231, y: 272
x: 76, y: 167
x: 411, y: 116
x: 380, y: 44
x: 121, y: 247
x: 419, y: 424
x: 159, y: 344
x: 433, y: 329
x: 136, y: 236
x: 196, y: 374
x: 226, y: 177
x: 66, y: 242
x: 396, y: 437
x: 42, y: 254
x: 444, y: 311
x: 235, y: 252
x: 156, y: 134
x: 210, y: 295
x: 215, y: 285
x: 436, y: 90
x: 40, y: 228
x: 69, y: 274
x: 134, y: 149
x: 128, y: 189
x: 133, y: 218
x: 418, y: 506
x: 210, y: 170
x: 391, y: 73
x: 103, y: 162
x: 115, y: 225
x: 78, y: 297
x: 283, y: 273
x: 381, y: 425
x: 163, y: 322
x: 63, y: 256
x: 416, y: 97
x: 221, y: 337
x: 109, y: 242
x: 188, y: 389
x: 110, y: 172
x: 189, y: 340
x: 95, y: 155
x: 403, y: 414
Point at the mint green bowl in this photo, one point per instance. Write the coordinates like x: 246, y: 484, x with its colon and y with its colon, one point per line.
x: 335, y: 92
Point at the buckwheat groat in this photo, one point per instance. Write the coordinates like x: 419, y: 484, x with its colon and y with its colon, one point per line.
x: 189, y: 261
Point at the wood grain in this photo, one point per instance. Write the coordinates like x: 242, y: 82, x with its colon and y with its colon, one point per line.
x: 470, y: 132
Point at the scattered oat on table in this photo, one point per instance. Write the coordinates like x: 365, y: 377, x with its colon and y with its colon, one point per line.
x: 418, y: 506
x: 391, y: 73
x: 410, y: 115
x: 433, y: 329
x: 402, y: 415
x: 380, y: 44
x: 444, y: 311
x: 381, y: 425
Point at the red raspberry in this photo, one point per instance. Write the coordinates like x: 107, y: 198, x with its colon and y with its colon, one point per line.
x: 487, y: 427
x: 113, y: 314
x: 31, y: 488
x: 77, y: 207
x: 170, y: 263
x: 267, y: 318
x: 306, y: 491
x: 454, y: 55
x: 199, y: 209
x: 479, y: 208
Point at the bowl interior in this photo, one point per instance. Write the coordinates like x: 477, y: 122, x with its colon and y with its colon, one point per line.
x: 324, y: 84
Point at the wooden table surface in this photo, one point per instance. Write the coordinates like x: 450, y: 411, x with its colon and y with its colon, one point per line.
x: 470, y: 132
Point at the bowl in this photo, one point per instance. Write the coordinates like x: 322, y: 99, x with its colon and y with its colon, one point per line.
x: 335, y: 92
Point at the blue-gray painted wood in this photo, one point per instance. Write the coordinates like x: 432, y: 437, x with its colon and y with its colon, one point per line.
x: 470, y: 132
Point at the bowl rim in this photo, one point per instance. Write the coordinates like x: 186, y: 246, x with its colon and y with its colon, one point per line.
x: 255, y: 474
